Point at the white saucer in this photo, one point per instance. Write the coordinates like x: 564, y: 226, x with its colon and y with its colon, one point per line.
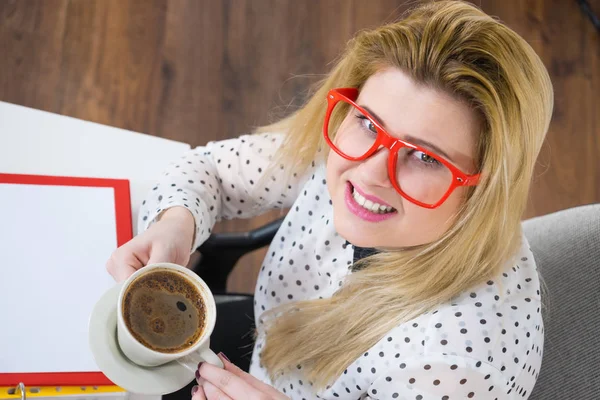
x: 117, y: 367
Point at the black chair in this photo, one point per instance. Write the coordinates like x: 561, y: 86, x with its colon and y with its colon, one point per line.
x: 233, y: 334
x: 221, y: 251
x: 234, y: 331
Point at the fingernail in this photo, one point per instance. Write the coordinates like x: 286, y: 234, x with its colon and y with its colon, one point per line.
x: 197, y: 374
x: 200, y: 364
x: 195, y: 389
x: 224, y: 356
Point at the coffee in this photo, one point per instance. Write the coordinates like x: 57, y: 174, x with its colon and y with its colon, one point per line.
x: 164, y: 310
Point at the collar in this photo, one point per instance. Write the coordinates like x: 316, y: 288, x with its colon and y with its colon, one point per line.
x: 361, y: 252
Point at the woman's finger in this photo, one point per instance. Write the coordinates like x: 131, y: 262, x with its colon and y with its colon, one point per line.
x: 226, y: 381
x: 246, y: 377
x: 121, y: 266
x: 214, y: 393
x: 198, y: 393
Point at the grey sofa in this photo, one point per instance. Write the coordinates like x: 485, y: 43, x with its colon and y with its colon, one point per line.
x: 566, y: 247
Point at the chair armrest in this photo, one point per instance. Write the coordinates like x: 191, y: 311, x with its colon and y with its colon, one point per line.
x: 221, y: 251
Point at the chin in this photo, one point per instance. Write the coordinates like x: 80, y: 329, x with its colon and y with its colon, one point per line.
x: 356, y: 235
x: 378, y: 236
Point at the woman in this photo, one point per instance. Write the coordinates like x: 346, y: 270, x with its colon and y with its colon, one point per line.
x: 401, y: 270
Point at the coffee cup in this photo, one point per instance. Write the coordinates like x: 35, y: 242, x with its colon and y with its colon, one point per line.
x: 166, y: 313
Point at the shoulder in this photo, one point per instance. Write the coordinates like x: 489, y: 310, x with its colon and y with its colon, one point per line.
x: 494, y: 321
x: 486, y: 341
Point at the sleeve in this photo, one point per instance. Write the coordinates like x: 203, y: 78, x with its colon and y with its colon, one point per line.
x: 440, y: 377
x: 223, y: 180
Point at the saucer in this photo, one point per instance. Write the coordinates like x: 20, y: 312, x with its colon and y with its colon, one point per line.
x: 163, y: 379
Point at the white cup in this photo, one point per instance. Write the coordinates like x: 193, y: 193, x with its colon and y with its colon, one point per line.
x: 191, y: 356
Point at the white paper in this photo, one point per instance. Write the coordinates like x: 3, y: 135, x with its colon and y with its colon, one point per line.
x: 54, y: 244
x: 41, y: 143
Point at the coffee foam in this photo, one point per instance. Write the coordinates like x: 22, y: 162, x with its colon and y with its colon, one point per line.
x: 164, y: 311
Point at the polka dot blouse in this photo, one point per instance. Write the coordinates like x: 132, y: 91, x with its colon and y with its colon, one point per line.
x: 486, y: 344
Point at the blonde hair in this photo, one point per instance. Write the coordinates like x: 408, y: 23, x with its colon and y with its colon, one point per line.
x: 456, y: 48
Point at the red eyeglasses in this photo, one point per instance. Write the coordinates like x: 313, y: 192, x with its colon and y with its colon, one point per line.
x: 419, y: 175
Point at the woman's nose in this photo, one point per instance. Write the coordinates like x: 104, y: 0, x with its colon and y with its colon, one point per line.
x: 374, y: 170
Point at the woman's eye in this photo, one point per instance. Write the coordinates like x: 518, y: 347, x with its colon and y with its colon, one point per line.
x: 425, y: 158
x: 367, y: 123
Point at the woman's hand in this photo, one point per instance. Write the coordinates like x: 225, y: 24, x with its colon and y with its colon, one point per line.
x: 231, y: 383
x: 167, y: 240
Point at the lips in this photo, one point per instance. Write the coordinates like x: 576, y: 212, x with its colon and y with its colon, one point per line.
x: 374, y: 199
x: 367, y: 207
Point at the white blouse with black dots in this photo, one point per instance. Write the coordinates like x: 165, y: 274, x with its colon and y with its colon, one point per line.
x: 486, y: 344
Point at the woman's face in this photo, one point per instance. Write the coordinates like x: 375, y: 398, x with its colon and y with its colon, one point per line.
x: 419, y: 115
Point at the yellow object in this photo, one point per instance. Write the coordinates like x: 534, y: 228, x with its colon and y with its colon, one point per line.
x: 82, y: 392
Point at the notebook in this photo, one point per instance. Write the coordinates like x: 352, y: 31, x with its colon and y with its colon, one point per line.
x: 56, y: 234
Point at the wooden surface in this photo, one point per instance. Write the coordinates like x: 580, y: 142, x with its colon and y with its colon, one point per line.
x: 200, y: 70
